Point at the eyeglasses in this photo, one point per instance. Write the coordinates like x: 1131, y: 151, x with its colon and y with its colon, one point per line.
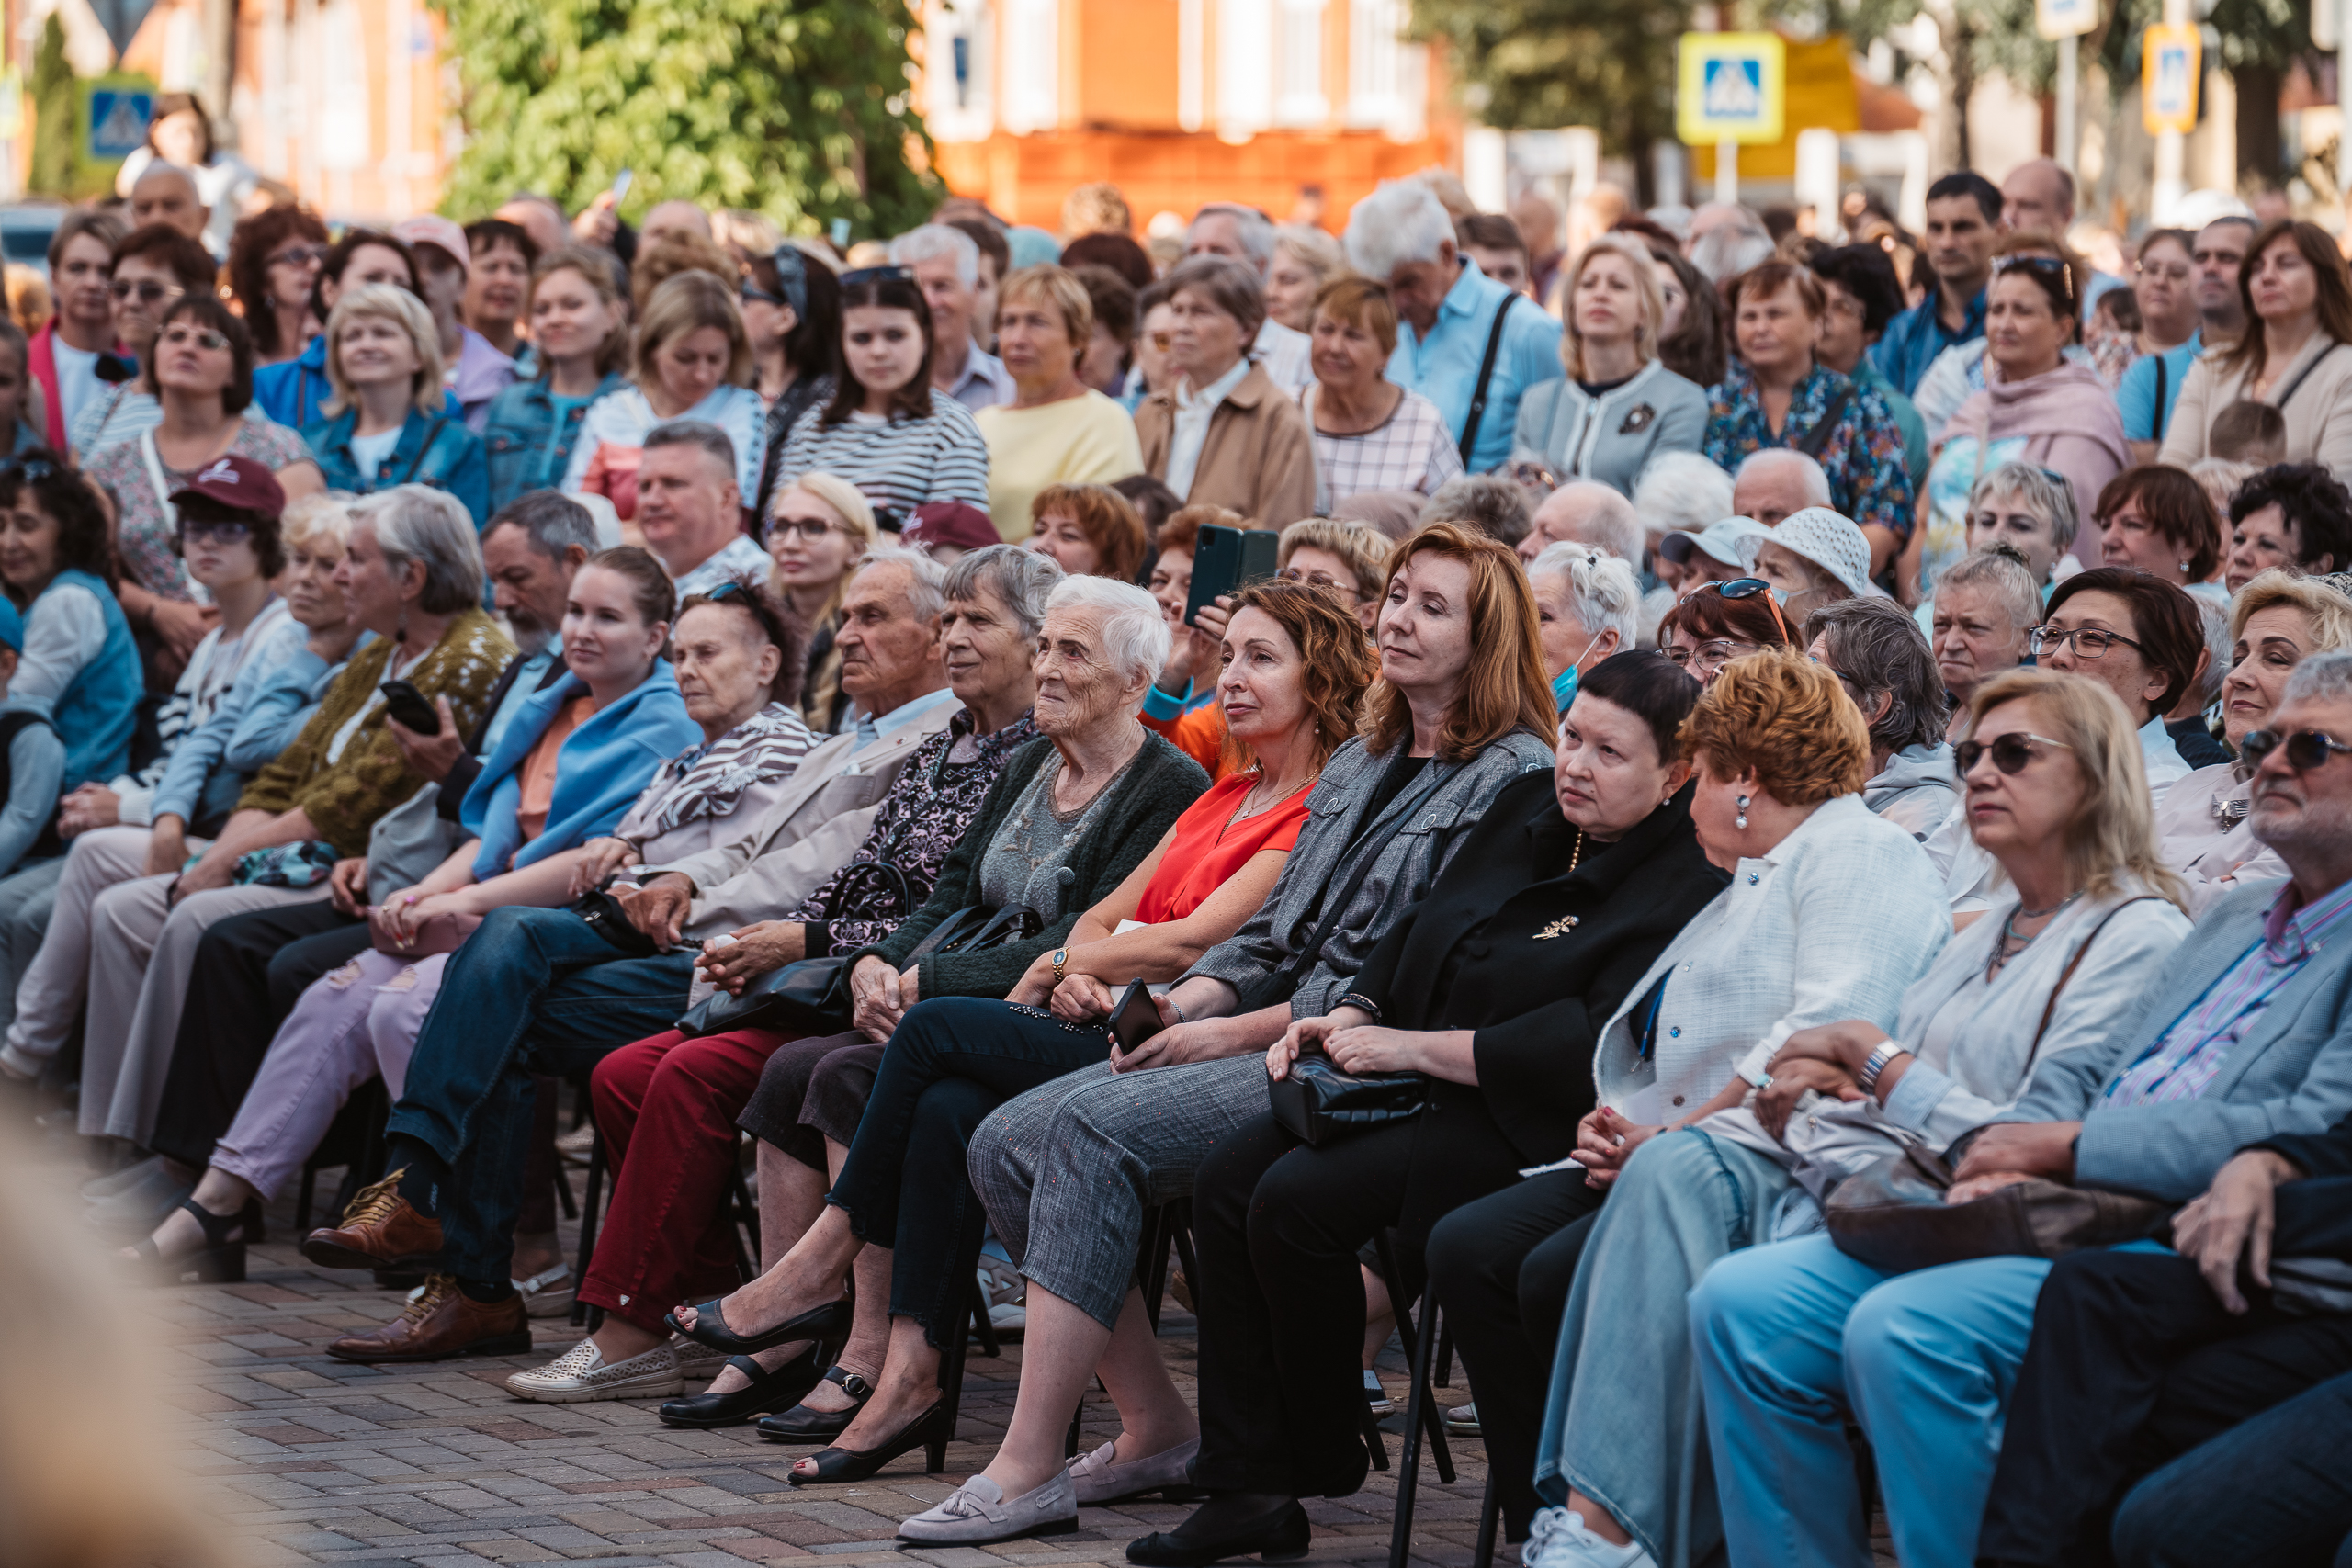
x: 203, y: 337
x: 866, y: 276
x: 1710, y: 657
x: 1160, y: 340
x: 298, y: 255
x: 223, y: 532
x: 808, y: 530
x: 149, y: 293
x: 2010, y: 752
x: 1743, y: 588
x: 2086, y: 642
x: 2306, y: 749
x: 1321, y: 580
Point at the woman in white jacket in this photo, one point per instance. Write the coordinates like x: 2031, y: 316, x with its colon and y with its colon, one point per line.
x: 2055, y: 794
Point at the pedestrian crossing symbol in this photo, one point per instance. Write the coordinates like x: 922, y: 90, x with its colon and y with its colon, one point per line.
x: 1730, y: 87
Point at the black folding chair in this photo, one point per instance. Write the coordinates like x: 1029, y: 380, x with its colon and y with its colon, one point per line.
x: 1421, y: 1404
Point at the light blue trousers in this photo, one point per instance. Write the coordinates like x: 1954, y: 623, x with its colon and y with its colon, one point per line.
x: 1794, y: 1338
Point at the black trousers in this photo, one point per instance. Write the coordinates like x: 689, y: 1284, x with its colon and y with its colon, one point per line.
x: 1500, y: 1269
x: 1276, y: 1226
x: 2134, y: 1361
x: 250, y: 970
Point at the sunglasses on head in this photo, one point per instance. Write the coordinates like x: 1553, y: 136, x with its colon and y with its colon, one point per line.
x: 32, y: 471
x: 2306, y: 749
x: 1744, y: 587
x: 2010, y: 752
x: 865, y: 276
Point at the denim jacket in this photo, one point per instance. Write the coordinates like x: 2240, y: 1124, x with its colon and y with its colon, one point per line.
x: 437, y: 450
x: 526, y: 449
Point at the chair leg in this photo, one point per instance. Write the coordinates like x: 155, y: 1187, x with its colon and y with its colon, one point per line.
x: 1424, y: 1339
x: 735, y: 1207
x: 951, y: 1389
x: 1077, y: 1420
x: 302, y: 1199
x: 1179, y: 1226
x: 1491, y: 1514
x: 591, y: 1209
x: 1419, y: 1406
x: 1154, y: 1261
x: 563, y: 1192
x: 1444, y: 1377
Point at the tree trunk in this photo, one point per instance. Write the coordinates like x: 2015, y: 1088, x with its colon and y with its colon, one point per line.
x: 1961, y: 44
x: 2261, y: 151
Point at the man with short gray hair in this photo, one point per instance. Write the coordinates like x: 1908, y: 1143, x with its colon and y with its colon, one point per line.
x: 1586, y: 511
x: 1459, y: 342
x: 1777, y: 483
x: 690, y: 510
x: 1485, y: 503
x: 946, y: 265
x: 1246, y: 235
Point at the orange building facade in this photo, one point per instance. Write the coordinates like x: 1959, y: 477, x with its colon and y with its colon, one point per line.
x: 1178, y: 102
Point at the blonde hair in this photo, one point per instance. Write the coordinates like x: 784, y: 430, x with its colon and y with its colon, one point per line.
x: 2330, y: 613
x: 686, y: 303
x: 319, y: 524
x: 1061, y: 292
x: 841, y: 496
x: 385, y: 302
x: 1635, y: 255
x: 1364, y: 547
x: 2110, y: 846
x: 594, y: 268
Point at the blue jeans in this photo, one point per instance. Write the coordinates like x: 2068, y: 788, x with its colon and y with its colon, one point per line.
x: 531, y: 991
x: 1793, y: 1337
x: 2273, y: 1491
x: 951, y: 1061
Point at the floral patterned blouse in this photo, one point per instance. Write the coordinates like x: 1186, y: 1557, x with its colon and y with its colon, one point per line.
x: 937, y: 795
x: 1863, y: 454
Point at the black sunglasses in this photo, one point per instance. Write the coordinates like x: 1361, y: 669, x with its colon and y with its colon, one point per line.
x: 32, y: 469
x: 2306, y: 749
x: 1744, y: 587
x: 2010, y: 752
x: 865, y: 276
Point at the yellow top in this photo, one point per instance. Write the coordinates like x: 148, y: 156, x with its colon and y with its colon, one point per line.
x: 1087, y: 439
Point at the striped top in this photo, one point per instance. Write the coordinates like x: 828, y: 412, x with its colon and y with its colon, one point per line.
x: 2185, y: 1059
x: 899, y: 462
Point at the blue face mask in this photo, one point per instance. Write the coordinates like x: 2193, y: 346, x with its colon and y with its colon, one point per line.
x: 1564, y: 689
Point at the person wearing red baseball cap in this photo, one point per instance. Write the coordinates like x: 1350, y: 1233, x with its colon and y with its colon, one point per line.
x: 475, y: 370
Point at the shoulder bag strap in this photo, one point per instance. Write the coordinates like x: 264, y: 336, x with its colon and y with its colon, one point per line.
x: 1818, y: 436
x: 1485, y: 379
x: 424, y: 447
x: 2304, y: 375
x: 154, y: 463
x: 2050, y: 1008
x: 2157, y: 414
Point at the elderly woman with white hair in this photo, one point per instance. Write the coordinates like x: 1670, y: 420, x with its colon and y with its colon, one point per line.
x: 388, y: 422
x: 1587, y: 606
x: 1447, y: 313
x: 1618, y: 406
x: 1067, y: 821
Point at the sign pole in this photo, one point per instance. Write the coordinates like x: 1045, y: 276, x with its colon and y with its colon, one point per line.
x: 2069, y: 67
x: 2170, y: 68
x: 1727, y: 172
x: 1730, y: 88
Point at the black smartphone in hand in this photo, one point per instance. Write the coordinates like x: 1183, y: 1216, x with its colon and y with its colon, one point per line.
x: 1227, y: 559
x: 405, y: 703
x: 1135, y: 1019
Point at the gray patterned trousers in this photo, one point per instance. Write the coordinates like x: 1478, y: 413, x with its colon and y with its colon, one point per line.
x: 1066, y: 1171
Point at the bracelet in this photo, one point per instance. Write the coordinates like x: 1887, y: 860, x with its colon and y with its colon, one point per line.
x: 1061, y: 956
x: 1359, y: 1001
x: 1170, y: 1000
x: 1879, y: 1060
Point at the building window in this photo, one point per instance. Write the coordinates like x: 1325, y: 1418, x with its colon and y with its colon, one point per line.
x: 1386, y: 78
x: 1245, y: 67
x: 1033, y: 61
x: 1302, y: 101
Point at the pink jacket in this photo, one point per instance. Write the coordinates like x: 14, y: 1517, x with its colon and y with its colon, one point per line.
x: 2067, y: 417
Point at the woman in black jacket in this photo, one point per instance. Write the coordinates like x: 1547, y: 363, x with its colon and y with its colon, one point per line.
x: 1494, y: 986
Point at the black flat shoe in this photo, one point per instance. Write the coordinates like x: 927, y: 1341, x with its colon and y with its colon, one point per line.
x: 855, y: 1464
x: 766, y: 1391
x: 1282, y: 1535
x: 828, y: 1322
x: 221, y: 1259
x: 802, y: 1424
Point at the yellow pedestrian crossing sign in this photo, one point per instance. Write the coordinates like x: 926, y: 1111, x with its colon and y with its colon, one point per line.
x: 1730, y: 87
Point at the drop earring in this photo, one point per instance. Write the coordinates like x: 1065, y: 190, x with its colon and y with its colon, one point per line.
x: 1741, y: 821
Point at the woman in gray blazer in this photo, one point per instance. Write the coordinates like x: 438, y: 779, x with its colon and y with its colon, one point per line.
x: 1066, y: 1172
x: 1617, y: 407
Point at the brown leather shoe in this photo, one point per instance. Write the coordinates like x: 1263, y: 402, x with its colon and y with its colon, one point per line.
x: 439, y: 1322
x: 379, y: 1230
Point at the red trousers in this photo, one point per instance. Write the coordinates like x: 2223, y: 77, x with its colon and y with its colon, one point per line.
x: 667, y: 1107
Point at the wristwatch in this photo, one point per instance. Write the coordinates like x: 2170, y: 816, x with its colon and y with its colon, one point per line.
x: 1061, y: 956
x: 1878, y: 1063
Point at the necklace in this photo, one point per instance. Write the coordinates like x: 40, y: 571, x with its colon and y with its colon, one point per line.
x: 2002, y: 951
x: 1251, y: 806
x: 1575, y: 856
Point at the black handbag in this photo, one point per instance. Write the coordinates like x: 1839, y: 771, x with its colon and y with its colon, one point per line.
x: 812, y: 997
x: 608, y: 919
x: 1318, y: 1104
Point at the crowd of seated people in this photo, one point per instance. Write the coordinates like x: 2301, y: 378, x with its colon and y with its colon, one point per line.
x: 1726, y: 725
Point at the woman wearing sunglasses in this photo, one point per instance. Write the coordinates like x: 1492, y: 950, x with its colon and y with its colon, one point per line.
x: 2056, y: 796
x: 153, y: 267
x: 273, y: 260
x: 2276, y: 621
x: 1718, y: 621
x: 1830, y: 913
x: 200, y: 365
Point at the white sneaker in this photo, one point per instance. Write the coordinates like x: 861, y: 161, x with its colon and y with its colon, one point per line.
x: 1375, y: 1396
x: 546, y: 1293
x: 1559, y: 1540
x: 978, y: 1512
x: 581, y: 1373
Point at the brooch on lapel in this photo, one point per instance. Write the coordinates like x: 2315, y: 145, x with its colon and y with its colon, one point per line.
x: 1637, y: 419
x: 1560, y: 927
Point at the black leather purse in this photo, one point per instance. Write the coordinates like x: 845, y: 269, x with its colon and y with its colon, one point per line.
x: 1318, y: 1104
x: 812, y: 997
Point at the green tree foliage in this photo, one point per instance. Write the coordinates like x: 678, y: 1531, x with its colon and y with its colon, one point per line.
x: 1532, y: 64
x: 796, y: 108
x: 52, y: 107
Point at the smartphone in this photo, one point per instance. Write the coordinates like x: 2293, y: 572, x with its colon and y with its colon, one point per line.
x: 621, y: 182
x: 1135, y: 1019
x: 1225, y: 559
x: 405, y: 703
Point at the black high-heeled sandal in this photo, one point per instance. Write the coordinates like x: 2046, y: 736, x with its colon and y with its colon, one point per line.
x: 802, y: 1424
x: 765, y: 1391
x: 835, y: 1465
x: 221, y: 1259
x: 828, y: 1322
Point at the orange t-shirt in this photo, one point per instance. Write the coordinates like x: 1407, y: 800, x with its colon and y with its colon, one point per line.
x: 1209, y: 847
x: 537, y: 772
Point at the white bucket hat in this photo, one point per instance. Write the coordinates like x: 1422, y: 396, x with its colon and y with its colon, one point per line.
x: 1830, y: 541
